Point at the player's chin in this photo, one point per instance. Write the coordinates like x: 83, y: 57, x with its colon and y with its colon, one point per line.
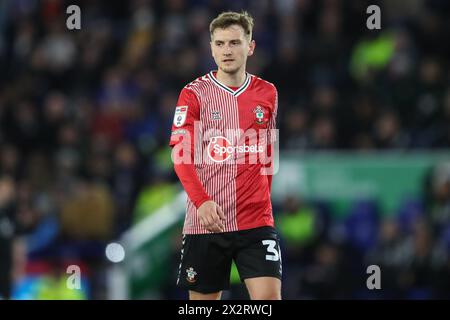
x: 229, y: 69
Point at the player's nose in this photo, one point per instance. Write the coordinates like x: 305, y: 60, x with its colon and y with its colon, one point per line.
x: 227, y: 50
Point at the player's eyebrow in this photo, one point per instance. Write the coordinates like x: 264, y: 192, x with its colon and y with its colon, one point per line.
x: 232, y: 41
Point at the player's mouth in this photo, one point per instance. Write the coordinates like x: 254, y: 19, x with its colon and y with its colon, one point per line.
x: 228, y: 60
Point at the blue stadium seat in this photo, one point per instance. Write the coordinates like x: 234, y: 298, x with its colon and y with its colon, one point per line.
x: 361, y: 225
x: 445, y: 238
x: 410, y: 210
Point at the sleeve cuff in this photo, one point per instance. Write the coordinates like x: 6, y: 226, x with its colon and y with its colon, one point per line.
x: 198, y: 203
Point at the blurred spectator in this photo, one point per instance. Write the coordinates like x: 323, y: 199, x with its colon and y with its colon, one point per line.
x: 388, y: 256
x: 156, y: 192
x: 126, y: 184
x: 295, y: 133
x: 87, y: 214
x: 8, y: 231
x: 299, y: 225
x: 324, y: 134
x: 388, y: 132
x: 421, y: 263
x: 325, y: 278
x: 439, y: 202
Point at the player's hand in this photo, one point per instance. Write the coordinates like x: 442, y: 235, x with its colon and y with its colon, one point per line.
x: 211, y: 216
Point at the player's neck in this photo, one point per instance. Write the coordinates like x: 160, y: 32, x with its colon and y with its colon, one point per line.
x: 231, y: 79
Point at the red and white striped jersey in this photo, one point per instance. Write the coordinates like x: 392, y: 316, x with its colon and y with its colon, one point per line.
x: 227, y: 130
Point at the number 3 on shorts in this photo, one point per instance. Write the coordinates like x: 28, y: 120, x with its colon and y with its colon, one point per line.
x: 274, y: 254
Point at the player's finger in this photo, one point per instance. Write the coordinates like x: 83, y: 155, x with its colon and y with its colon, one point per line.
x: 213, y: 220
x: 209, y: 221
x: 220, y: 213
x: 202, y: 222
x: 220, y: 226
x: 216, y: 228
x: 215, y: 216
x: 211, y: 227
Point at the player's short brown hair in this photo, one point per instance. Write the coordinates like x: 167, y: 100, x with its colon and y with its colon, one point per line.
x: 229, y: 18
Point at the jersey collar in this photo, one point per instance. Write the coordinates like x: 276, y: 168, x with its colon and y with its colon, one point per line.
x: 236, y: 92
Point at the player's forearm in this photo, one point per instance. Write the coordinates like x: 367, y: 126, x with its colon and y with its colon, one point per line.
x: 191, y: 183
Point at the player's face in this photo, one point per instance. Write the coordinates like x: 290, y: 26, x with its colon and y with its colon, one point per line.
x: 230, y: 48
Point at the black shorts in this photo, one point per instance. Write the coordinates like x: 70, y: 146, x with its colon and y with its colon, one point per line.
x: 206, y: 258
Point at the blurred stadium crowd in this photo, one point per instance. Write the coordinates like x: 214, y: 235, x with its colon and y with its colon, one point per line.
x: 85, y: 117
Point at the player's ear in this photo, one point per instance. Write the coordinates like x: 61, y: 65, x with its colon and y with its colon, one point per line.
x: 251, y: 49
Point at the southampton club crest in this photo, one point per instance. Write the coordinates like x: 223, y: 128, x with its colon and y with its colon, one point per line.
x: 191, y: 275
x: 259, y: 114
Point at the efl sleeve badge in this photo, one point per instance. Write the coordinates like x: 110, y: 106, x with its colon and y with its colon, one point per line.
x: 180, y: 116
